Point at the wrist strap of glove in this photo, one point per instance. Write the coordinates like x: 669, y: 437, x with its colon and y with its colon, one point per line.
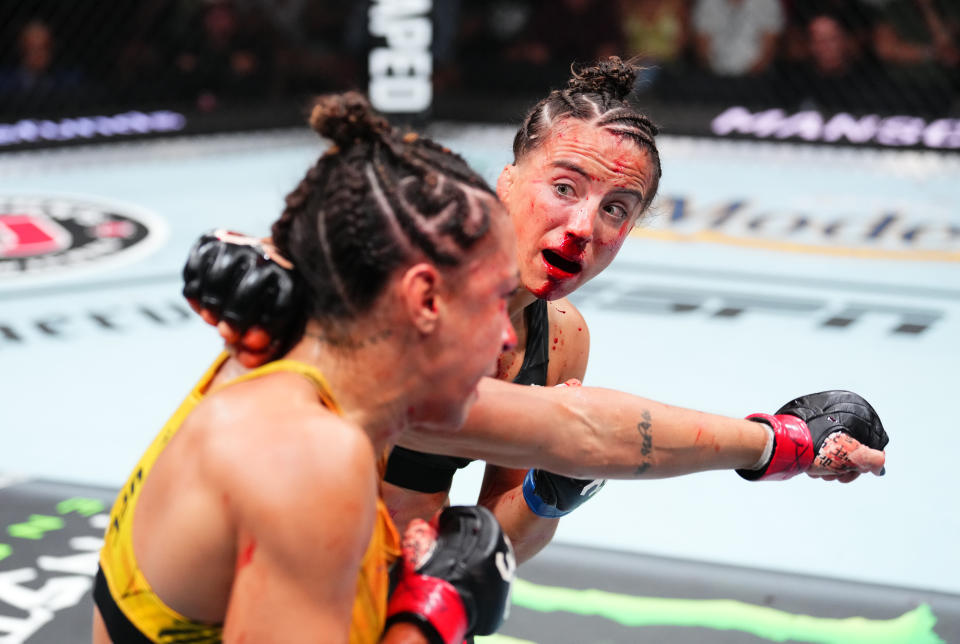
x: 432, y: 604
x: 792, y: 449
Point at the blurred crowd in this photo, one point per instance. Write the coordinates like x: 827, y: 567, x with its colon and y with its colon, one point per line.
x: 833, y: 55
x: 886, y: 56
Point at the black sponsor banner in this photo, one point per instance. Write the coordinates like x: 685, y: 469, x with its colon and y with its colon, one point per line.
x: 51, y: 533
x: 49, y: 547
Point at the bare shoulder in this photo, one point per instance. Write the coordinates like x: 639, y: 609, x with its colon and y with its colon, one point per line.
x: 271, y: 442
x: 567, y: 317
x: 569, y: 342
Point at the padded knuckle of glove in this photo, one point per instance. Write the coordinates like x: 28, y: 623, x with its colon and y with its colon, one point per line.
x: 249, y: 298
x: 836, y: 410
x: 241, y: 285
x: 198, y: 261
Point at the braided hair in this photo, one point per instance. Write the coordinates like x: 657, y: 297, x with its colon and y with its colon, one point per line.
x: 596, y: 94
x: 377, y: 199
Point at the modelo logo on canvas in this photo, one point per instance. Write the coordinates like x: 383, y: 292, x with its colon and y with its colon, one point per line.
x: 833, y: 227
x: 44, y: 235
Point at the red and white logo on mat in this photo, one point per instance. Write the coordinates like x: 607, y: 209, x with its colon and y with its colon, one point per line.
x: 44, y: 234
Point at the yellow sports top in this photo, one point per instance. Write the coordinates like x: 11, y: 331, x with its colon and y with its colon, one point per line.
x: 134, y: 613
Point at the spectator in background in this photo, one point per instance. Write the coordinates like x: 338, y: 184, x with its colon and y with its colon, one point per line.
x: 225, y: 61
x: 37, y: 84
x: 857, y: 16
x: 140, y: 71
x: 560, y: 31
x: 737, y: 37
x: 735, y: 43
x: 920, y: 42
x: 835, y: 73
x: 488, y: 32
x: 309, y: 40
x: 656, y: 33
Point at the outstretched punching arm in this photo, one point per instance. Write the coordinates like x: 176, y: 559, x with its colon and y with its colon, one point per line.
x: 591, y: 432
x: 583, y: 432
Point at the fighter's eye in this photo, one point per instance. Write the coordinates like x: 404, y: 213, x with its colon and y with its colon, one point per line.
x: 615, y: 210
x: 564, y: 189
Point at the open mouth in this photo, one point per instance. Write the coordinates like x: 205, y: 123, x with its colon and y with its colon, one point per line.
x: 565, y: 265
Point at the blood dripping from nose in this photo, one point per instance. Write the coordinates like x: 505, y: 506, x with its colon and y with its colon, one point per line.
x: 572, y: 247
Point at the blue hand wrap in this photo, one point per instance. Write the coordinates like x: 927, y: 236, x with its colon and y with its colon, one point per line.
x: 537, y: 505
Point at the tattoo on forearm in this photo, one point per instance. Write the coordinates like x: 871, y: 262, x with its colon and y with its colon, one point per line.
x: 347, y: 342
x: 645, y: 427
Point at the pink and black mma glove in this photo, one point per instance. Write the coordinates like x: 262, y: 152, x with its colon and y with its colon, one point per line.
x: 233, y: 277
x: 801, y: 427
x: 455, y: 580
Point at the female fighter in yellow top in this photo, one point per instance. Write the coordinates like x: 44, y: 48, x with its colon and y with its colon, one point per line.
x: 255, y: 514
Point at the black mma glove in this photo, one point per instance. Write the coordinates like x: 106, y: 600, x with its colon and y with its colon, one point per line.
x: 554, y: 495
x: 456, y: 580
x: 801, y: 427
x: 233, y: 277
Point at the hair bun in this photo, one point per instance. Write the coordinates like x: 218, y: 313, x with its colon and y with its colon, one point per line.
x: 345, y: 118
x: 609, y: 76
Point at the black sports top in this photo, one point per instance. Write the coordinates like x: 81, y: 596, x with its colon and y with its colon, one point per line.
x: 430, y: 473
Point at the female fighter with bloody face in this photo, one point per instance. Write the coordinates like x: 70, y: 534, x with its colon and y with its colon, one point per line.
x: 254, y: 516
x: 586, y: 167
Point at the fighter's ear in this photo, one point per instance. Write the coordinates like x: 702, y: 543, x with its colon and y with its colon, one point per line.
x: 419, y: 288
x: 505, y: 182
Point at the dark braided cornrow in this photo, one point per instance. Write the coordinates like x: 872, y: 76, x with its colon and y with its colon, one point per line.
x: 373, y: 202
x: 596, y: 94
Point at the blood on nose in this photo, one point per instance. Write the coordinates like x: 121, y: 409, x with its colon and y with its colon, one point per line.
x: 572, y: 245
